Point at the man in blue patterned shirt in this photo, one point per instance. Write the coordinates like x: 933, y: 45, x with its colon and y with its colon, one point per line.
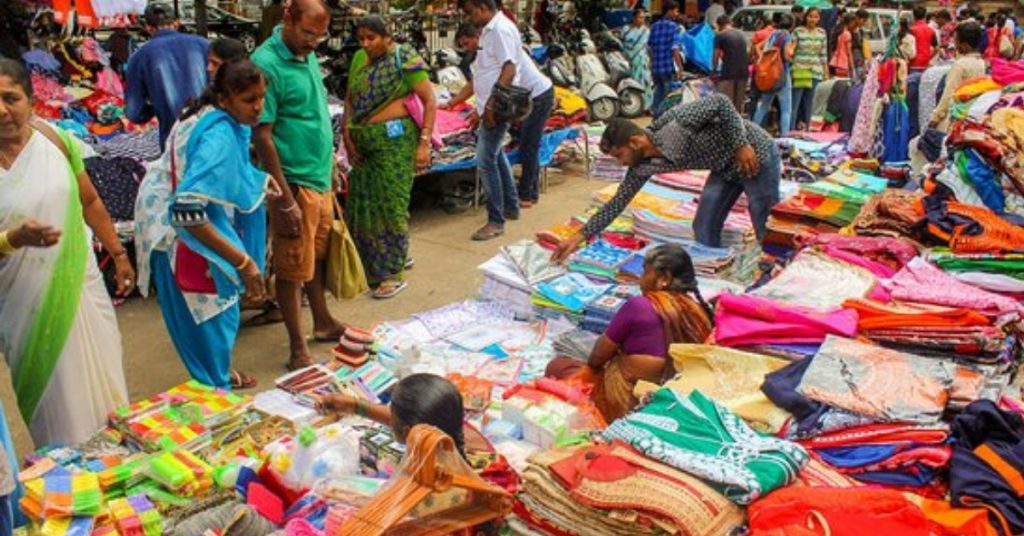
x: 704, y: 134
x: 666, y: 55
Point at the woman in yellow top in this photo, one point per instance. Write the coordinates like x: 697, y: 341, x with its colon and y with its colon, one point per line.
x: 386, y: 149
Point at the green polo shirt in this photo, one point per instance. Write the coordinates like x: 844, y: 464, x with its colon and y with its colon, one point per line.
x: 296, y: 104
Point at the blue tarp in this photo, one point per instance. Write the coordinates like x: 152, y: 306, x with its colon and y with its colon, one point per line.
x: 548, y: 146
x: 699, y: 45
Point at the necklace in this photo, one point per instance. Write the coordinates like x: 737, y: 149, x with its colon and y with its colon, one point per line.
x: 6, y: 160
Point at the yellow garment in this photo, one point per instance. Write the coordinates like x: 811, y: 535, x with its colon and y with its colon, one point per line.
x: 976, y: 86
x: 569, y: 102
x: 1008, y: 121
x: 732, y: 378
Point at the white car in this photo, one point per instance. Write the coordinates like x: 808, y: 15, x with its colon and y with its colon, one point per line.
x: 881, y: 23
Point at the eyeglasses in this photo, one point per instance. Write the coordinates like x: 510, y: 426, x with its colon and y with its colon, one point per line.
x: 312, y: 37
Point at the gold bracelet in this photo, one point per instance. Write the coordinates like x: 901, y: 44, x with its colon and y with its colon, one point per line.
x: 5, y: 244
x: 245, y: 264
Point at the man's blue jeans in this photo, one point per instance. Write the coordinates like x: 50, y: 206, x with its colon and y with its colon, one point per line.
x: 662, y: 87
x: 529, y: 144
x: 496, y: 173
x: 720, y: 194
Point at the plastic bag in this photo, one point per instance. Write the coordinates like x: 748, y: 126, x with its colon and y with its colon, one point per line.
x: 699, y: 45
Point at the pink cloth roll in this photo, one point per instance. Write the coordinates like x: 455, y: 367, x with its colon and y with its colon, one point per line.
x: 742, y: 320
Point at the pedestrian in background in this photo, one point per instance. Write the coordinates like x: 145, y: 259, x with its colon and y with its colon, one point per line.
x: 783, y: 40
x: 666, y: 58
x: 166, y: 73
x: 810, y: 66
x: 733, y: 62
x: 634, y: 42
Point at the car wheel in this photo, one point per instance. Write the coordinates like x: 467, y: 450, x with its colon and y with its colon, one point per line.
x: 603, y: 109
x: 632, y: 103
x: 249, y: 41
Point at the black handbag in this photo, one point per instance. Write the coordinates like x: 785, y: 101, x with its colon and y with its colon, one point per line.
x: 511, y: 103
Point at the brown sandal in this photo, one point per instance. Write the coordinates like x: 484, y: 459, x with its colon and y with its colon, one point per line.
x: 488, y: 232
x: 241, y: 380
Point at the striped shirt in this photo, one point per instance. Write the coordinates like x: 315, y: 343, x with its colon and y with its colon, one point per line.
x: 811, y: 51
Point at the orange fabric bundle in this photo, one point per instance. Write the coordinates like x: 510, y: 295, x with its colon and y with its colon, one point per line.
x: 836, y: 512
x: 873, y: 314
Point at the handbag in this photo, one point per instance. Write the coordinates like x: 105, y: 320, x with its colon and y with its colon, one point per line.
x: 345, y: 277
x: 191, y: 270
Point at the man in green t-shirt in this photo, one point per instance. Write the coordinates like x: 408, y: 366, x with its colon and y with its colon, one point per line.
x: 294, y: 143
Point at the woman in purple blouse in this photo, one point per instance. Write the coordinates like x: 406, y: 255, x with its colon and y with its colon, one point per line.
x: 635, y: 345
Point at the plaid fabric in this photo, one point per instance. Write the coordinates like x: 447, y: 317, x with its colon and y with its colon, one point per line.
x: 661, y: 43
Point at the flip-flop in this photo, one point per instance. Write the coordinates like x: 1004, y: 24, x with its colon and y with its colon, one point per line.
x: 293, y: 365
x: 487, y: 232
x: 389, y: 289
x: 409, y: 263
x: 319, y: 337
x: 266, y: 318
x: 241, y: 381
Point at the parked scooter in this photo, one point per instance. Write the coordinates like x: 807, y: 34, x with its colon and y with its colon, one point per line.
x: 620, y: 72
x: 447, y: 71
x: 559, y: 68
x: 594, y: 81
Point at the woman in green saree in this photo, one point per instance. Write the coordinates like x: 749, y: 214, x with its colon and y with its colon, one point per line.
x: 388, y: 84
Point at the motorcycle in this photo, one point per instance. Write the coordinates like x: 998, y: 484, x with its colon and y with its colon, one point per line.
x: 410, y: 32
x: 620, y: 72
x: 447, y: 71
x: 558, y: 66
x: 602, y: 100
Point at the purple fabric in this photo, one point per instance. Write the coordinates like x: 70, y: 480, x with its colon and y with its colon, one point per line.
x: 637, y: 328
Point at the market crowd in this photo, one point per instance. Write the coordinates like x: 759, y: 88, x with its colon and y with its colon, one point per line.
x: 243, y: 197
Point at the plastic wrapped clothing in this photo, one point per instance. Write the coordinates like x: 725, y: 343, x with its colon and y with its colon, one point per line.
x: 699, y: 46
x: 879, y: 383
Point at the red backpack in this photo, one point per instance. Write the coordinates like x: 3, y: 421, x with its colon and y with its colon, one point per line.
x: 768, y: 71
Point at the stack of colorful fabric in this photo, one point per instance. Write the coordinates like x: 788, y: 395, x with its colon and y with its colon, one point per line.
x: 599, y: 260
x: 900, y: 456
x: 985, y: 141
x: 821, y: 207
x: 568, y: 294
x: 843, y: 415
x: 613, y: 489
x: 696, y: 434
x: 598, y: 314
x: 996, y: 271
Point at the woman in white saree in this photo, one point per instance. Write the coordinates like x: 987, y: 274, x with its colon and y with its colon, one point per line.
x: 58, y: 330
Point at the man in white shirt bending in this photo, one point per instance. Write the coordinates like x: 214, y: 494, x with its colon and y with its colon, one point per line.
x: 501, y: 59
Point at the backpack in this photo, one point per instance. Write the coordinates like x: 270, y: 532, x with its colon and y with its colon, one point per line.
x: 769, y: 67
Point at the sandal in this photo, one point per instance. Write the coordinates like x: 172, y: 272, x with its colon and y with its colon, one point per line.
x: 241, y: 380
x: 389, y: 289
x: 271, y: 315
x: 331, y: 337
x: 488, y: 232
x: 409, y: 263
x: 294, y: 364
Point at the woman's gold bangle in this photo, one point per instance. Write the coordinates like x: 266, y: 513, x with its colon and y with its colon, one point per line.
x: 5, y: 244
x: 245, y: 263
